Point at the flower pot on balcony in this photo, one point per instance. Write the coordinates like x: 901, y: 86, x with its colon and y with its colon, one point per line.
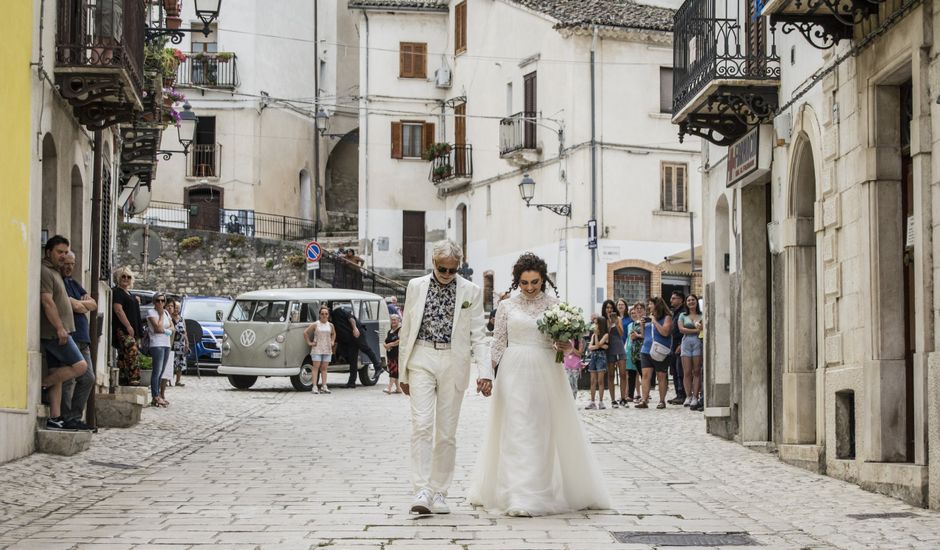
x: 168, y: 81
x: 173, y: 22
x: 172, y: 7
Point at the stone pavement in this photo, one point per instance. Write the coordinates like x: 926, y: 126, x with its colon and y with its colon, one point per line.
x: 274, y: 468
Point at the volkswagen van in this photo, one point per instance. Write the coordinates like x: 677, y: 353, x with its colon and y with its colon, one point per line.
x: 264, y: 334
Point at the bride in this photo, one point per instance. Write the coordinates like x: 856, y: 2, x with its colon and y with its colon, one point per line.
x: 535, y: 460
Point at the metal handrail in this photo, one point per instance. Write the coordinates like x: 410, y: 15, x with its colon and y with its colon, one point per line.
x: 457, y: 163
x: 211, y: 70
x: 517, y: 132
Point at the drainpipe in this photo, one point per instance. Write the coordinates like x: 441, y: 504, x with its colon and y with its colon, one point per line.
x: 93, y: 324
x: 365, y: 139
x: 316, y: 132
x: 593, y: 164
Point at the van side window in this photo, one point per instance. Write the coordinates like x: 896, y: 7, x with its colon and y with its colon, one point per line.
x: 369, y: 311
x: 296, y: 310
x: 241, y: 311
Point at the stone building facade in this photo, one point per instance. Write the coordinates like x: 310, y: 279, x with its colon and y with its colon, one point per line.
x: 820, y: 279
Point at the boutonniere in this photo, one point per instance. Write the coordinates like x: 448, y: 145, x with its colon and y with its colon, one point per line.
x: 465, y: 305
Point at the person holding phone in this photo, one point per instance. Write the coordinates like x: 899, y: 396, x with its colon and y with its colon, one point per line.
x: 616, y: 353
x: 657, y: 333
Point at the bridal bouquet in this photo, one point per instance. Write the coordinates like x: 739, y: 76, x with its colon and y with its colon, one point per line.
x: 562, y: 322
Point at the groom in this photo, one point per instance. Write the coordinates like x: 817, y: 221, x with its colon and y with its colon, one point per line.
x: 443, y: 318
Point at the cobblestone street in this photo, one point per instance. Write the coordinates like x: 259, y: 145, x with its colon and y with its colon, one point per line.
x: 274, y: 468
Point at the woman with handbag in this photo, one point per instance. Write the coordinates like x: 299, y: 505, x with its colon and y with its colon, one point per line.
x: 657, y: 341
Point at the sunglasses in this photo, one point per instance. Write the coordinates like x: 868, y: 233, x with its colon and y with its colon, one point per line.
x: 126, y: 277
x: 159, y: 300
x: 446, y: 270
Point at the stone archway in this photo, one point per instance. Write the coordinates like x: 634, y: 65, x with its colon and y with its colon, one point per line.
x: 341, y: 190
x: 718, y: 313
x: 800, y: 308
x: 76, y: 235
x: 306, y: 196
x: 50, y: 187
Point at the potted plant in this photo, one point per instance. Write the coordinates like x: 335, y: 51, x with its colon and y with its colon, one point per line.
x: 224, y: 57
x: 441, y: 172
x: 172, y: 7
x: 145, y: 364
x: 437, y: 150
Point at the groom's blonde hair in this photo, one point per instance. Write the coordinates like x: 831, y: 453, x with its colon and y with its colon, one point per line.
x: 446, y: 249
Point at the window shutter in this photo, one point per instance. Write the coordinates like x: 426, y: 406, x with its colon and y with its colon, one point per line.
x: 405, y: 60
x: 667, y: 188
x: 420, y: 61
x: 396, y: 140
x: 680, y: 188
x: 428, y: 136
x: 460, y: 27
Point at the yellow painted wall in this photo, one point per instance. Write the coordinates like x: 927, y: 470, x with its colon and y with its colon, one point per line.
x: 16, y: 30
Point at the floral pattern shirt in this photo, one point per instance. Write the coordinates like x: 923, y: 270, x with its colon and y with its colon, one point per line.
x: 438, y: 321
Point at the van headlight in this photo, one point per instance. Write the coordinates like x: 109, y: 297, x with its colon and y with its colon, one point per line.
x: 280, y: 339
x: 226, y: 347
x: 272, y: 350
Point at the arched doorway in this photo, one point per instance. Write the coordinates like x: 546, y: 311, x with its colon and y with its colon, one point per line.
x: 306, y: 196
x: 341, y: 188
x: 77, y: 219
x: 718, y: 311
x: 205, y: 204
x: 50, y: 187
x: 801, y: 312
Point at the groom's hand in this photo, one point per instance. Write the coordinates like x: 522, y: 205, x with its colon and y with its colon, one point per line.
x: 484, y: 386
x: 405, y: 388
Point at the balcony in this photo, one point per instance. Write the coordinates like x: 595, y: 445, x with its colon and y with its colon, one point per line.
x: 99, y: 56
x: 518, y: 139
x: 204, y: 161
x: 726, y: 75
x: 822, y: 22
x: 453, y: 167
x: 208, y: 70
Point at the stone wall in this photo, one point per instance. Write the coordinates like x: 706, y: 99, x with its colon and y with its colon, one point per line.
x: 213, y: 264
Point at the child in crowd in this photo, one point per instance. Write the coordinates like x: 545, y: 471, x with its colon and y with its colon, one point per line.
x: 598, y: 365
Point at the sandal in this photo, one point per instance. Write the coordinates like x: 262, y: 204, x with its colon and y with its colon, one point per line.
x: 641, y: 405
x: 386, y: 390
x: 662, y: 405
x: 180, y: 385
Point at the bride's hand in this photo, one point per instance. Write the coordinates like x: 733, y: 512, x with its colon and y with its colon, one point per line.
x: 563, y: 347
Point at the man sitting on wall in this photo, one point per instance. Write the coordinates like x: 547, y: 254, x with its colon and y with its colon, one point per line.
x: 63, y: 357
x: 75, y: 392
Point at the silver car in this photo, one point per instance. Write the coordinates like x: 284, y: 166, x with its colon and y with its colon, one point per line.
x: 264, y: 333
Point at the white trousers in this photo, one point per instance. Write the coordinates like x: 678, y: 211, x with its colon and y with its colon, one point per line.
x: 435, y: 410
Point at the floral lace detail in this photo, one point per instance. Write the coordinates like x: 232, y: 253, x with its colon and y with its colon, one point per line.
x: 532, y: 307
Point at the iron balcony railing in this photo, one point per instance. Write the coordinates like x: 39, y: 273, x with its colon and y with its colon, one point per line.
x: 102, y: 34
x: 209, y: 70
x: 517, y: 132
x: 209, y: 216
x: 712, y: 40
x: 456, y: 163
x: 204, y: 161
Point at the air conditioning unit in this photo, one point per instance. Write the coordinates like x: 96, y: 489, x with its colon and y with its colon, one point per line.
x: 442, y: 77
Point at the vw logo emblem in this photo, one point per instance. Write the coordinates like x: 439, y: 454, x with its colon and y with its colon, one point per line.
x: 247, y: 338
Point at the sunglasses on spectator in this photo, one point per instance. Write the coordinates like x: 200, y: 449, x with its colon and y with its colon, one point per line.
x: 126, y: 277
x: 160, y: 300
x: 445, y: 270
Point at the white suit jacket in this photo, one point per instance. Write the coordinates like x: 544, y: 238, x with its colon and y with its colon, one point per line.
x: 468, y: 331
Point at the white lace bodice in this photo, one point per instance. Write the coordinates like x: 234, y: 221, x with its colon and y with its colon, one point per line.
x: 515, y: 323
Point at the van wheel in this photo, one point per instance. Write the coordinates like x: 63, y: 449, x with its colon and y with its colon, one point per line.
x: 242, y: 382
x: 304, y: 380
x: 366, y: 375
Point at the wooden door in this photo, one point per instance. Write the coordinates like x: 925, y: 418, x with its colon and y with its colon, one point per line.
x: 460, y: 139
x: 530, y: 108
x: 412, y: 251
x: 204, y: 207
x: 910, y: 290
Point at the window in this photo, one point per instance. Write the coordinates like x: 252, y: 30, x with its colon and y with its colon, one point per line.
x: 272, y: 312
x: 413, y: 60
x: 509, y: 111
x: 411, y: 138
x: 665, y: 89
x: 241, y: 311
x: 460, y: 27
x: 674, y: 184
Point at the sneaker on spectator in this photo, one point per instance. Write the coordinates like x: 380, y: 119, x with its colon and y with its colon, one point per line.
x: 688, y: 402
x: 78, y: 425
x: 57, y: 423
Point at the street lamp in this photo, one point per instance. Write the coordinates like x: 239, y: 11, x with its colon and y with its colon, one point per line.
x: 323, y: 121
x: 527, y: 190
x: 185, y: 130
x: 206, y: 10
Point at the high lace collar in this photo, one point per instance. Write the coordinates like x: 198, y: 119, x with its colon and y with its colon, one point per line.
x: 534, y: 298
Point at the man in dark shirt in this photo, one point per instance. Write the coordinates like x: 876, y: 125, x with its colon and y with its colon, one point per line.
x: 677, y: 304
x: 350, y: 340
x: 75, y: 392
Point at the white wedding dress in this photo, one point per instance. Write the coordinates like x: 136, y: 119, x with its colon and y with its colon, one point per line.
x: 536, y: 457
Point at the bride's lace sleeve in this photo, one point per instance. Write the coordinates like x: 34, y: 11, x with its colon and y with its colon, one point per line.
x: 500, y: 332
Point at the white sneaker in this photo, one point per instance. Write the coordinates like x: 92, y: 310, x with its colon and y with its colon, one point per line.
x: 314, y: 390
x: 422, y: 502
x: 439, y: 504
x: 694, y: 402
x: 518, y: 513
x: 687, y: 402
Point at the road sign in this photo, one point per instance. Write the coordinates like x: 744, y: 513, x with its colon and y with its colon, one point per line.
x: 592, y: 234
x: 312, y: 253
x: 311, y: 266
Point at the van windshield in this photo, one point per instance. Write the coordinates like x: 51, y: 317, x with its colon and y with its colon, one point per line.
x: 241, y: 311
x: 271, y: 312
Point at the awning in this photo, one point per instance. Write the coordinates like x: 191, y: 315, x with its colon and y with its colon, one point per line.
x: 681, y: 262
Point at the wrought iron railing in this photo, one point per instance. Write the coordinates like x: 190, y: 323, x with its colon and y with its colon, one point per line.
x: 457, y: 163
x: 102, y: 34
x: 209, y: 70
x: 710, y: 42
x: 204, y: 161
x: 517, y: 132
x: 338, y: 272
x: 209, y: 216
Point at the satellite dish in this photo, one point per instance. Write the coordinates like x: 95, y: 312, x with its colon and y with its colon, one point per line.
x: 139, y: 200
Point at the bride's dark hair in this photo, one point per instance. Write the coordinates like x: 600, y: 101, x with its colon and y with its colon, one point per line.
x: 531, y: 262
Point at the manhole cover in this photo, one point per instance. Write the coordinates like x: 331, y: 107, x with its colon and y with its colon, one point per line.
x: 685, y: 539
x: 885, y: 515
x: 116, y: 465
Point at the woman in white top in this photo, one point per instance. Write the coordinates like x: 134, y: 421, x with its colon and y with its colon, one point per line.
x: 160, y: 327
x: 321, y: 337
